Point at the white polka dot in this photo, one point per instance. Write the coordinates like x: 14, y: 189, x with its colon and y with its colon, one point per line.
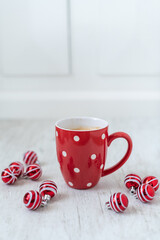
x: 56, y: 133
x: 101, y: 166
x: 76, y: 170
x: 89, y: 184
x: 103, y: 136
x: 70, y: 183
x: 93, y: 156
x: 76, y: 138
x: 64, y: 154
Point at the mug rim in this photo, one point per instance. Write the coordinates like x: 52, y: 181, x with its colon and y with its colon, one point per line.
x: 82, y: 118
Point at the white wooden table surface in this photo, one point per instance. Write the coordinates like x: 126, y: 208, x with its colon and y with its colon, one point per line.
x: 79, y: 214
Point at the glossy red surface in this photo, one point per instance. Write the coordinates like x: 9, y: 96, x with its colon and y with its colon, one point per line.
x: 118, y: 202
x: 145, y: 193
x: 132, y: 180
x: 32, y: 200
x: 33, y: 172
x: 153, y: 181
x: 8, y: 176
x: 18, y: 168
x: 48, y: 187
x: 82, y: 155
x: 30, y: 157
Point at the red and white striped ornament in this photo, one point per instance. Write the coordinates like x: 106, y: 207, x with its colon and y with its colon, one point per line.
x: 132, y: 182
x: 8, y: 176
x: 118, y: 202
x: 33, y: 172
x: 32, y: 200
x: 18, y: 168
x: 153, y: 181
x: 48, y: 189
x: 30, y: 157
x: 145, y: 193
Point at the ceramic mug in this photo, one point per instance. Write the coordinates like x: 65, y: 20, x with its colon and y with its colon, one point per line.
x: 82, y: 153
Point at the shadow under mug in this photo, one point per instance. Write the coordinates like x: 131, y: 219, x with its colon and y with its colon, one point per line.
x: 82, y: 153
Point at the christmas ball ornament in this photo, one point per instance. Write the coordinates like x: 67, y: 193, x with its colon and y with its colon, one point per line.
x: 145, y: 193
x: 30, y: 157
x: 48, y: 189
x: 18, y: 168
x: 118, y: 202
x: 153, y: 181
x: 33, y: 172
x: 8, y: 176
x: 32, y: 200
x: 132, y: 182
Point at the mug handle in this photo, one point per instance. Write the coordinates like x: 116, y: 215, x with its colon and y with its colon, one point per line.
x: 126, y: 156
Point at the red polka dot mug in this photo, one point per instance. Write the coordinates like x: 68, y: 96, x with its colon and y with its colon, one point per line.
x: 81, y: 144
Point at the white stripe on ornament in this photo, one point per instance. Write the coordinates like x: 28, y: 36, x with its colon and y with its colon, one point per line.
x: 13, y: 177
x: 110, y: 201
x: 30, y: 199
x: 49, y: 181
x: 35, y: 200
x: 147, y: 200
x: 39, y: 201
x: 9, y: 172
x: 138, y: 178
x: 148, y: 193
x: 113, y: 203
x: 156, y: 185
x: 48, y: 185
x: 48, y: 189
x: 26, y: 156
x: 34, y: 158
x: 134, y: 180
x: 37, y: 173
x: 19, y: 168
x: 117, y: 203
x: 12, y: 174
x: 6, y: 176
x: 11, y: 180
x: 30, y: 158
x: 33, y: 169
x: 152, y: 180
x: 138, y: 192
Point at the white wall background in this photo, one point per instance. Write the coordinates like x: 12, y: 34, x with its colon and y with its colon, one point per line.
x: 70, y: 57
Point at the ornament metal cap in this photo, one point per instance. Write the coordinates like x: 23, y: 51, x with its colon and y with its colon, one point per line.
x: 132, y: 182
x: 48, y: 189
